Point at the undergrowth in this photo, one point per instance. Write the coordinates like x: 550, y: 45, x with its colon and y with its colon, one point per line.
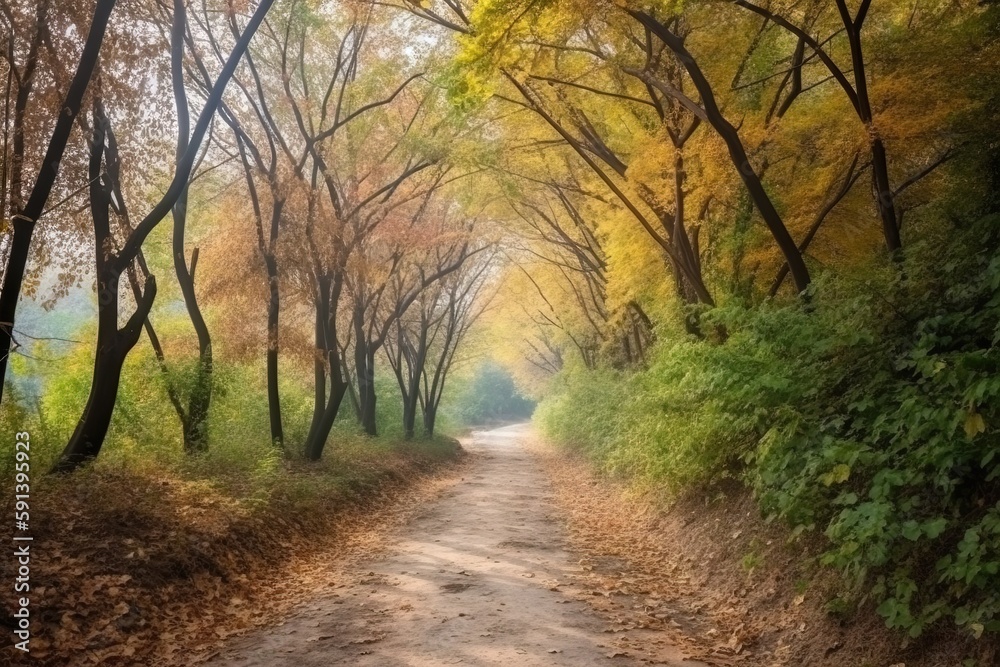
x: 869, y: 415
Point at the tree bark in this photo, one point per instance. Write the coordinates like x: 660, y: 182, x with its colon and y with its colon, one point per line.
x: 312, y: 449
x: 430, y: 419
x: 199, y: 402
x: 408, y: 367
x: 325, y: 408
x: 364, y: 366
x: 113, y: 347
x: 273, y: 388
x: 882, y: 187
x: 413, y: 395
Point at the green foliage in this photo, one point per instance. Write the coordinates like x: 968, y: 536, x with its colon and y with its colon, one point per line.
x: 15, y: 417
x: 871, y: 418
x: 389, y: 407
x: 488, y: 396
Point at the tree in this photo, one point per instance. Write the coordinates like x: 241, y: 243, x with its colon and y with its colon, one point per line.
x: 503, y: 28
x: 392, y: 269
x: 337, y: 116
x: 860, y: 100
x: 259, y: 142
x: 196, y: 416
x: 465, y: 305
x: 445, y: 286
x: 113, y: 345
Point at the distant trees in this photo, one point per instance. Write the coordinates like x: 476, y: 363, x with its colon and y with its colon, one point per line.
x: 491, y: 396
x: 423, y: 350
x: 382, y: 296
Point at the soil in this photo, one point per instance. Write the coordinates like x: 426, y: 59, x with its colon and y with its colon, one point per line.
x: 483, y: 575
x: 532, y: 559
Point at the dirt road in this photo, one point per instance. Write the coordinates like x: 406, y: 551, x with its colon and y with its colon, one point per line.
x: 480, y: 577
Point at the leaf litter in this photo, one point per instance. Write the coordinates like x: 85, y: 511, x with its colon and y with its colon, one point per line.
x: 164, y: 574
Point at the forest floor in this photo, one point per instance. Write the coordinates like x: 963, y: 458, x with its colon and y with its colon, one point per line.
x: 156, y: 565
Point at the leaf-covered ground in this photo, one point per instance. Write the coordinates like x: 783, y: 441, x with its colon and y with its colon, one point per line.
x: 512, y: 556
x: 146, y: 568
x: 724, y: 585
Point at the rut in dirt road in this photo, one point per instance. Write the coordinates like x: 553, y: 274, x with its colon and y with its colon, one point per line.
x: 480, y: 577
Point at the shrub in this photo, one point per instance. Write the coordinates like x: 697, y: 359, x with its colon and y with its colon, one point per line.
x: 870, y: 415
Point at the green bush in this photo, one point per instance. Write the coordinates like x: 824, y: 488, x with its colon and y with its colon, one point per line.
x: 895, y: 456
x: 145, y: 431
x: 870, y: 415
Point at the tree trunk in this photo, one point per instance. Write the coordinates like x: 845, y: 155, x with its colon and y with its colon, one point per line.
x: 430, y: 416
x: 410, y: 407
x: 352, y: 393
x: 313, y: 445
x: 364, y: 369
x: 319, y: 363
x: 884, y: 198
x: 412, y: 397
x: 85, y: 444
x: 691, y: 284
x: 113, y: 345
x: 882, y: 187
x: 409, y: 417
x: 273, y: 389
x: 195, y: 430
x: 366, y: 390
x: 327, y: 361
x: 316, y: 441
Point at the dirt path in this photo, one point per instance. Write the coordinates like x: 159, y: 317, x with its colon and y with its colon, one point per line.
x: 479, y: 577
